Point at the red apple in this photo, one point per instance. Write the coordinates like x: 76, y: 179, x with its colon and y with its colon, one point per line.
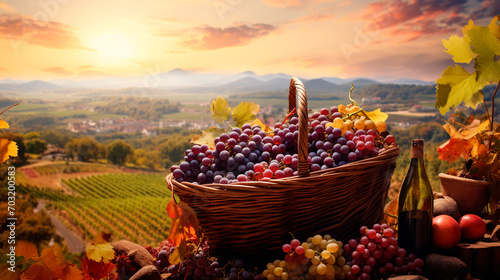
x: 445, y: 232
x: 472, y: 226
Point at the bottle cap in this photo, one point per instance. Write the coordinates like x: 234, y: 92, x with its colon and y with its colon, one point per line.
x: 417, y: 148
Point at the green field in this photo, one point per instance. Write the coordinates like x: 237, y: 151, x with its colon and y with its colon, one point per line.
x: 130, y: 206
x: 182, y: 116
x: 311, y: 104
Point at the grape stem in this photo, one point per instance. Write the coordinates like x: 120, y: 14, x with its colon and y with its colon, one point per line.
x: 354, y: 113
x: 493, y: 112
x: 354, y: 102
x: 291, y: 234
x: 229, y: 124
x: 287, y: 116
x: 9, y: 108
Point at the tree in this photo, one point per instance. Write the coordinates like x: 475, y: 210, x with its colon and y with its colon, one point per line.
x: 32, y: 135
x: 83, y: 149
x: 119, y: 151
x: 36, y: 146
x: 54, y: 137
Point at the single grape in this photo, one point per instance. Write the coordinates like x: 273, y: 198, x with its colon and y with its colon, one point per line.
x: 268, y: 173
x: 224, y: 155
x: 279, y: 174
x: 389, y: 139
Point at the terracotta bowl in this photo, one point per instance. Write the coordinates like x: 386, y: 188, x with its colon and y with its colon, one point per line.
x: 470, y: 195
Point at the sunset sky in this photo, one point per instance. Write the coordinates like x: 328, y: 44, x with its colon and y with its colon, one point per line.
x: 77, y: 39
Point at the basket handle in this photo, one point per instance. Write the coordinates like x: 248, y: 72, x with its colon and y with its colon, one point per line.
x: 297, y: 98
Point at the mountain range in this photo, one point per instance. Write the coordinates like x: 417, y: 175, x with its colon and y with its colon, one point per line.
x: 180, y: 80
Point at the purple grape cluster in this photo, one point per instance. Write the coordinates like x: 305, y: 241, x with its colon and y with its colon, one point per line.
x: 250, y: 153
x: 376, y: 255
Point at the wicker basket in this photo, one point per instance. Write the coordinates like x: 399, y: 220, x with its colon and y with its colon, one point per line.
x: 257, y: 216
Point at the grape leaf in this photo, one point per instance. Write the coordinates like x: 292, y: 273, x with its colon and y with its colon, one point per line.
x: 452, y: 149
x: 376, y: 116
x: 220, y: 109
x: 263, y: 126
x: 468, y: 27
x: 486, y: 46
x: 100, y: 249
x: 27, y: 250
x: 92, y: 270
x: 38, y: 271
x: 245, y: 113
x: 207, y: 136
x: 459, y: 48
x: 478, y: 149
x: 71, y: 272
x: 50, y: 266
x: 483, y: 41
x: 4, y: 124
x: 8, y: 149
x: 6, y: 274
x: 184, y: 223
x: 455, y: 86
x: 494, y: 27
x: 177, y: 255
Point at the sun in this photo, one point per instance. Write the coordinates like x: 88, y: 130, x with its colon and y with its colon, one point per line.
x: 114, y: 46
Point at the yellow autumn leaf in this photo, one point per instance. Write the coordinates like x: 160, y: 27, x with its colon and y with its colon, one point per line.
x: 263, y: 127
x: 450, y: 129
x: 473, y: 129
x: 494, y: 27
x: 459, y: 48
x: 4, y: 124
x: 221, y: 111
x: 244, y: 113
x: 376, y: 116
x: 100, y: 249
x: 8, y: 149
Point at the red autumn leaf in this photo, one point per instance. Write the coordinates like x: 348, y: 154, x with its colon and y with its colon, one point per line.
x: 184, y: 223
x: 93, y: 270
x: 6, y: 274
x: 453, y: 149
x: 71, y: 272
x: 27, y: 250
x: 37, y: 271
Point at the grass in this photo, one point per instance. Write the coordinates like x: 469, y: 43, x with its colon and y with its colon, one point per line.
x: 91, y: 115
x: 183, y: 116
x: 32, y: 108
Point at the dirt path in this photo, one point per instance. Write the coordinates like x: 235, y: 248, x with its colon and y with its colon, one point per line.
x: 75, y: 244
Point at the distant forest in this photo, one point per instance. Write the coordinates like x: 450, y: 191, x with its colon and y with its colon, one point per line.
x: 388, y: 93
x: 139, y: 108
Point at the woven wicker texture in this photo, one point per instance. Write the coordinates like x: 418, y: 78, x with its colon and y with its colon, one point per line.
x: 257, y: 216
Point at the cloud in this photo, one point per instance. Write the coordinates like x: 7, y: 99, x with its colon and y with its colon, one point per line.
x: 489, y: 9
x: 3, y: 69
x: 290, y: 3
x: 30, y: 30
x: 424, y: 65
x: 92, y: 73
x: 211, y: 38
x: 85, y: 67
x: 312, y: 18
x: 412, y: 19
x: 345, y: 3
x: 58, y: 70
x: 310, y: 62
x: 6, y: 7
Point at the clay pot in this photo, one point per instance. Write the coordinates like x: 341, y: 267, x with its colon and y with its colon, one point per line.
x: 470, y: 195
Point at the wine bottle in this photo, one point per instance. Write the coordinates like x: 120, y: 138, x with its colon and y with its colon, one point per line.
x: 415, y: 205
